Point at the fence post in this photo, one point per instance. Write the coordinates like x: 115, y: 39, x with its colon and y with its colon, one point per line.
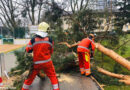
x: 2, y: 64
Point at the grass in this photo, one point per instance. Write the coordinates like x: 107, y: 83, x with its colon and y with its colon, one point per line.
x: 117, y: 88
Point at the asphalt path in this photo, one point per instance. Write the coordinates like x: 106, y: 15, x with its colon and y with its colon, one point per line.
x: 66, y: 82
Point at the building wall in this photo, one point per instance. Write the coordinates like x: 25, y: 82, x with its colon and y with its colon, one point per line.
x: 18, y: 41
x: 126, y: 27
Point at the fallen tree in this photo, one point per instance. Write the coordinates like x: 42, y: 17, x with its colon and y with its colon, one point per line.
x: 124, y: 62
x: 119, y: 59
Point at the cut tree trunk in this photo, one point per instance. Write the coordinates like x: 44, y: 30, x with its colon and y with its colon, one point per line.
x: 124, y: 62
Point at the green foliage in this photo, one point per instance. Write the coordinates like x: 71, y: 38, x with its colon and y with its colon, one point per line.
x: 24, y: 62
x: 112, y: 87
x: 64, y: 63
x: 107, y: 63
x: 87, y: 20
x: 18, y: 84
x: 81, y: 21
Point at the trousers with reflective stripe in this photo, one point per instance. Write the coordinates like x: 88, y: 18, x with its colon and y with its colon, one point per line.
x: 48, y: 69
x: 84, y: 61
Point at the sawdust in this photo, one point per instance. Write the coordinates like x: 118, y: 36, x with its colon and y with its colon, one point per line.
x: 10, y: 81
x: 66, y: 78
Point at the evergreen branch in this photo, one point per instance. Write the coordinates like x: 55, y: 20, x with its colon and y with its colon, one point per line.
x: 122, y: 44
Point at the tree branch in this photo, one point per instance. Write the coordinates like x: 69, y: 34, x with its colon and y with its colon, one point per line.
x: 124, y: 78
x: 68, y: 45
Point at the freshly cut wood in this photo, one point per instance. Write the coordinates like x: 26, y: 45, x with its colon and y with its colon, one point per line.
x: 124, y: 78
x: 124, y: 62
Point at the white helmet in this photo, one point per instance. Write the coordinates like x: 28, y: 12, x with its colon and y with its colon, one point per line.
x: 42, y: 29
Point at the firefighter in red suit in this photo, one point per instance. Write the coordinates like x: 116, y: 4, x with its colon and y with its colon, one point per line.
x: 42, y: 48
x: 86, y: 50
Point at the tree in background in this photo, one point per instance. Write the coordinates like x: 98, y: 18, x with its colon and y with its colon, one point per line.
x: 123, y: 15
x: 9, y: 14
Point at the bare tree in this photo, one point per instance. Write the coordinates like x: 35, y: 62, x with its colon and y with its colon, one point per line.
x: 9, y: 13
x: 78, y: 5
x: 33, y: 9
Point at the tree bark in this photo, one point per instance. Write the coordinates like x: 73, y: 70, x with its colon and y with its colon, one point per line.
x: 124, y: 62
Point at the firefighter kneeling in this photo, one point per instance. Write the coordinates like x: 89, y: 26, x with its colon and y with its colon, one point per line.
x: 42, y: 48
x: 84, y: 54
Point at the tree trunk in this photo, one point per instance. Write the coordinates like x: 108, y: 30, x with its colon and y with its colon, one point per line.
x: 124, y: 62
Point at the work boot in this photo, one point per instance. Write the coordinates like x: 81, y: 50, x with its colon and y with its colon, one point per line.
x: 24, y: 89
x: 56, y: 89
x: 87, y: 73
x: 82, y: 71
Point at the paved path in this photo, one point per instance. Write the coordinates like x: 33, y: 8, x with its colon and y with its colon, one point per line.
x: 67, y: 82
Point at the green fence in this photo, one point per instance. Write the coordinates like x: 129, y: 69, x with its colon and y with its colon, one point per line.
x: 7, y: 40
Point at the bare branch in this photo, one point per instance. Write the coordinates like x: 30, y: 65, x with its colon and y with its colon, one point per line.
x: 68, y: 45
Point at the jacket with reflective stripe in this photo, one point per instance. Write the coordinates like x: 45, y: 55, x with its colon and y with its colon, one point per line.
x: 42, y: 48
x: 85, y: 45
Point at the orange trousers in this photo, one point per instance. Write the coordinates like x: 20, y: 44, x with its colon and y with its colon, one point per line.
x: 49, y: 70
x: 84, y: 62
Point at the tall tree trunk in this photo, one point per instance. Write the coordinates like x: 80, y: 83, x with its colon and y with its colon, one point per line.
x: 33, y: 18
x: 39, y: 14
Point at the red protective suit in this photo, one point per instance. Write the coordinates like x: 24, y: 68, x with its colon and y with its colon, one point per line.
x: 85, y: 47
x: 42, y: 49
